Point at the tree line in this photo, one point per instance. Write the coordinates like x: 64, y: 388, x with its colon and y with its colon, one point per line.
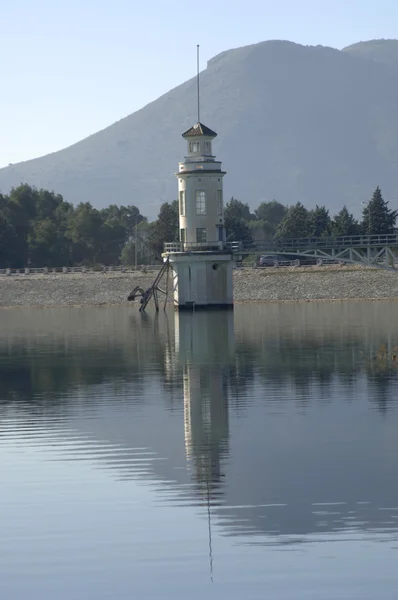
x: 272, y: 220
x: 39, y: 228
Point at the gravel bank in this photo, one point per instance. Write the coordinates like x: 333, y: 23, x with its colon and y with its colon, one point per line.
x: 72, y: 289
x: 250, y: 285
x: 315, y: 283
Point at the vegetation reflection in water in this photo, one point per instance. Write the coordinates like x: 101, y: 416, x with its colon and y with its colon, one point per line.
x: 306, y: 355
x: 48, y: 353
x: 277, y: 422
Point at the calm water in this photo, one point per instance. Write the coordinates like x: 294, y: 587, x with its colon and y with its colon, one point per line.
x: 245, y: 455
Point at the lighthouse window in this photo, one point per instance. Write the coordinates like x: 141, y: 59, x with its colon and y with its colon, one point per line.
x: 201, y: 235
x: 219, y: 202
x: 200, y: 202
x: 182, y: 203
x: 194, y: 147
x: 207, y: 147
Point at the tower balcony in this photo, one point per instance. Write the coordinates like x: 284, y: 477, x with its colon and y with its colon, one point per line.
x: 190, y: 167
x: 201, y: 247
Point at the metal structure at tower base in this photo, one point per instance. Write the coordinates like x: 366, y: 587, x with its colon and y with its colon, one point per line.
x: 153, y: 291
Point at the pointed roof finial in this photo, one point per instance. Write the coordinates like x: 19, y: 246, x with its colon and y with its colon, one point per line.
x: 199, y: 129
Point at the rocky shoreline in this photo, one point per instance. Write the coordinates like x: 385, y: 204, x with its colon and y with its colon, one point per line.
x: 291, y: 284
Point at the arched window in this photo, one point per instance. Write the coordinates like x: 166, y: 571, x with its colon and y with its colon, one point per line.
x: 219, y: 202
x: 194, y: 147
x: 200, y: 202
x: 182, y: 203
x: 201, y: 235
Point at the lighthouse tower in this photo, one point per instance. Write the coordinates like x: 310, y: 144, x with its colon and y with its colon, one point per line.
x: 201, y: 261
x: 200, y: 180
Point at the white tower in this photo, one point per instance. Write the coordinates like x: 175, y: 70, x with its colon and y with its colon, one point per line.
x: 200, y: 191
x: 201, y: 261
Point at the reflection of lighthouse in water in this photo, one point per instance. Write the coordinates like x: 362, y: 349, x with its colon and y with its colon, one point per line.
x: 205, y: 344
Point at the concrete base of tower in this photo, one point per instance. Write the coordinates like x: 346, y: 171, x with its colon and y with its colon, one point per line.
x: 202, y: 280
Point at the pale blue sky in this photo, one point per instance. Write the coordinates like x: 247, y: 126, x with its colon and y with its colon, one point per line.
x: 72, y: 67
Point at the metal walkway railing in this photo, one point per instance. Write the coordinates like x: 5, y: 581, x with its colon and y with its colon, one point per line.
x: 380, y: 251
x: 353, y: 241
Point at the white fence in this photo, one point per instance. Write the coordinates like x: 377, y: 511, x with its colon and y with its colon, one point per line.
x: 142, y: 268
x: 65, y: 270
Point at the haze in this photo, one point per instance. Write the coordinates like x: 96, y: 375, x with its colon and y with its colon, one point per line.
x: 71, y: 68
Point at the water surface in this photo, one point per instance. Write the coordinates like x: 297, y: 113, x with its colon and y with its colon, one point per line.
x: 245, y: 455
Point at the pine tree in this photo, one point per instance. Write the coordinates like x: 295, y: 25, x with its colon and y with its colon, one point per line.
x: 344, y: 224
x: 296, y: 223
x: 268, y: 217
x: 320, y: 224
x: 165, y: 229
x: 236, y: 218
x: 377, y: 218
x: 271, y: 212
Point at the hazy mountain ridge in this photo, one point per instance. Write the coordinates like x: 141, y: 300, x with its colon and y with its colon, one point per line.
x: 382, y: 51
x: 295, y: 122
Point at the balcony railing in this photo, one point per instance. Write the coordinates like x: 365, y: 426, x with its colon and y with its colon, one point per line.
x: 202, y: 246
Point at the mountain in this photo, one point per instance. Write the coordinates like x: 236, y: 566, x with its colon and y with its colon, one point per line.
x: 383, y: 51
x: 294, y: 123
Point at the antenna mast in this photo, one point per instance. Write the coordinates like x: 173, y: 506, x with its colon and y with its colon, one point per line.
x: 197, y: 79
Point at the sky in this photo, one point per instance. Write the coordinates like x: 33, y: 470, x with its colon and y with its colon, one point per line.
x: 72, y: 67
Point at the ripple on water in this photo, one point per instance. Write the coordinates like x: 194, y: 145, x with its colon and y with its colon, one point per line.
x: 179, y: 454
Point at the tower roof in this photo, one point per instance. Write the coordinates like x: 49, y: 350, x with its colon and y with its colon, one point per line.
x: 199, y: 129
